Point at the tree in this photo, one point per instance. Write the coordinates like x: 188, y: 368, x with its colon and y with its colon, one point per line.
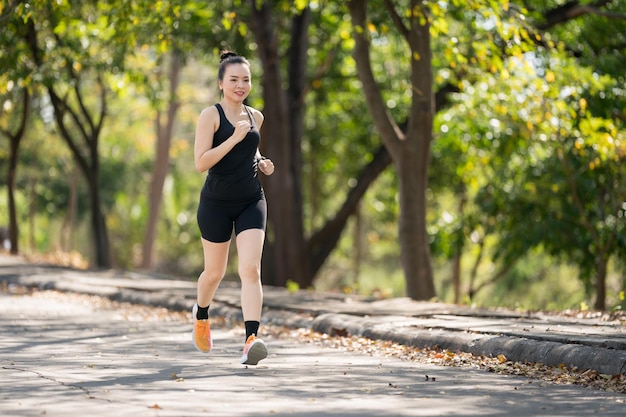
x: 568, y: 192
x: 320, y: 135
x: 291, y: 255
x: 171, y: 31
x: 15, y: 137
x: 549, y: 94
x: 16, y: 103
x: 164, y: 132
x: 586, y: 147
x: 410, y: 150
x: 76, y: 49
x: 79, y: 126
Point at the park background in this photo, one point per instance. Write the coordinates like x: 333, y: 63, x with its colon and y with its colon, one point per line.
x: 468, y: 151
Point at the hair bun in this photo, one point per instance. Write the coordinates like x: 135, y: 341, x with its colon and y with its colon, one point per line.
x: 224, y: 55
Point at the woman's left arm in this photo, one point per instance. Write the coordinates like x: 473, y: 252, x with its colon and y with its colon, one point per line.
x: 266, y: 165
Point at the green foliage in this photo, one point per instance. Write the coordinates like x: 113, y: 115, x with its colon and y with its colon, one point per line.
x: 519, y: 145
x: 537, y: 283
x: 527, y: 172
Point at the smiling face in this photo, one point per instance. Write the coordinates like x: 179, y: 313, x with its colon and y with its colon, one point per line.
x: 237, y: 82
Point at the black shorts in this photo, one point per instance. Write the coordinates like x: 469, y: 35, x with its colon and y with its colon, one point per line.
x: 216, y: 220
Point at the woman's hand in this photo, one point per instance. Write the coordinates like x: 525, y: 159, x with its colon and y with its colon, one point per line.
x: 266, y: 166
x: 241, y: 130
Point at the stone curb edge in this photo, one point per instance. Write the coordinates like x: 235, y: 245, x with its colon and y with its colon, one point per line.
x: 516, y: 349
x: 602, y: 360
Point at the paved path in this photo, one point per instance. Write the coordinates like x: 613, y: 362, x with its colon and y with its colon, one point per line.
x: 586, y: 343
x: 61, y: 357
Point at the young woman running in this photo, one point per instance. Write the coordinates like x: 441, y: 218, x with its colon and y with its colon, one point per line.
x: 227, y: 146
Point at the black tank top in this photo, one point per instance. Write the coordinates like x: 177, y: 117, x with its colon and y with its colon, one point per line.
x: 234, y: 179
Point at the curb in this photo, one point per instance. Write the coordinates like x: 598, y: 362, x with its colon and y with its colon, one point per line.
x: 604, y: 356
x: 516, y: 349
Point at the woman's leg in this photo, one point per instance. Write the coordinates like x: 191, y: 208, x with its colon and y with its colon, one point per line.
x: 215, y: 261
x: 249, y: 252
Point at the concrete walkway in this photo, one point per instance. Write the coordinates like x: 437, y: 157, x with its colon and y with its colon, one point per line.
x: 585, y: 343
x: 62, y: 356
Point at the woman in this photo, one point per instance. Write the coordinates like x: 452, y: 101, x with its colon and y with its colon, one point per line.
x: 227, y: 146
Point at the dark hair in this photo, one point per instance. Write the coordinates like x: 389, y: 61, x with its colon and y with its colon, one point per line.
x: 227, y: 58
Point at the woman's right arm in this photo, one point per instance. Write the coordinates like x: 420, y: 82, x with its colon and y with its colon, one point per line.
x: 205, y: 156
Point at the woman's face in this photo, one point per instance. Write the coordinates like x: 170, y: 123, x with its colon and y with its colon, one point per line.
x: 237, y: 82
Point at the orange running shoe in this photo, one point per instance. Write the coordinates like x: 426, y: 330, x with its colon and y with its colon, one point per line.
x: 253, y: 351
x: 201, y: 333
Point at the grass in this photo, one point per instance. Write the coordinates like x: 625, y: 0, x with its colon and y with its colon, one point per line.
x: 535, y: 283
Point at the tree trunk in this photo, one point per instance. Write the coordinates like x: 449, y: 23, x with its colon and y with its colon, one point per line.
x: 98, y: 222
x: 13, y: 225
x: 164, y: 133
x: 15, y: 140
x: 279, y: 143
x: 414, y: 244
x: 601, y: 271
x: 418, y: 269
x: 357, y: 254
x: 69, y: 222
x: 456, y: 276
x: 410, y: 151
x: 458, y: 248
x: 289, y: 255
x: 32, y: 213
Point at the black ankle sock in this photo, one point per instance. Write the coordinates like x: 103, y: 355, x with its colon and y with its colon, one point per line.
x: 252, y: 327
x: 202, y: 313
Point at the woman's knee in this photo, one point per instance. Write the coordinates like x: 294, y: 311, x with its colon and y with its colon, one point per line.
x: 209, y: 276
x: 250, y: 271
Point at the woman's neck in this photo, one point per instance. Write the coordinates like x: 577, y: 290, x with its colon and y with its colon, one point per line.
x: 232, y: 108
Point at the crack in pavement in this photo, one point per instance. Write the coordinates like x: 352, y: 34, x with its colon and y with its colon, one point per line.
x: 56, y: 381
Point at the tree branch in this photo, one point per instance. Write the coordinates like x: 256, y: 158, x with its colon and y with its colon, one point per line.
x: 494, y: 279
x: 397, y: 20
x: 324, y: 240
x: 388, y: 129
x: 573, y: 10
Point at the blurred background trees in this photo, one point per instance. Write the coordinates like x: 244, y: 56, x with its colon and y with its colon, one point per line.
x: 469, y: 150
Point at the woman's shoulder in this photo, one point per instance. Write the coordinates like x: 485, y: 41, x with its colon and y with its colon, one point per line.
x: 210, y: 113
x: 210, y: 110
x: 209, y: 118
